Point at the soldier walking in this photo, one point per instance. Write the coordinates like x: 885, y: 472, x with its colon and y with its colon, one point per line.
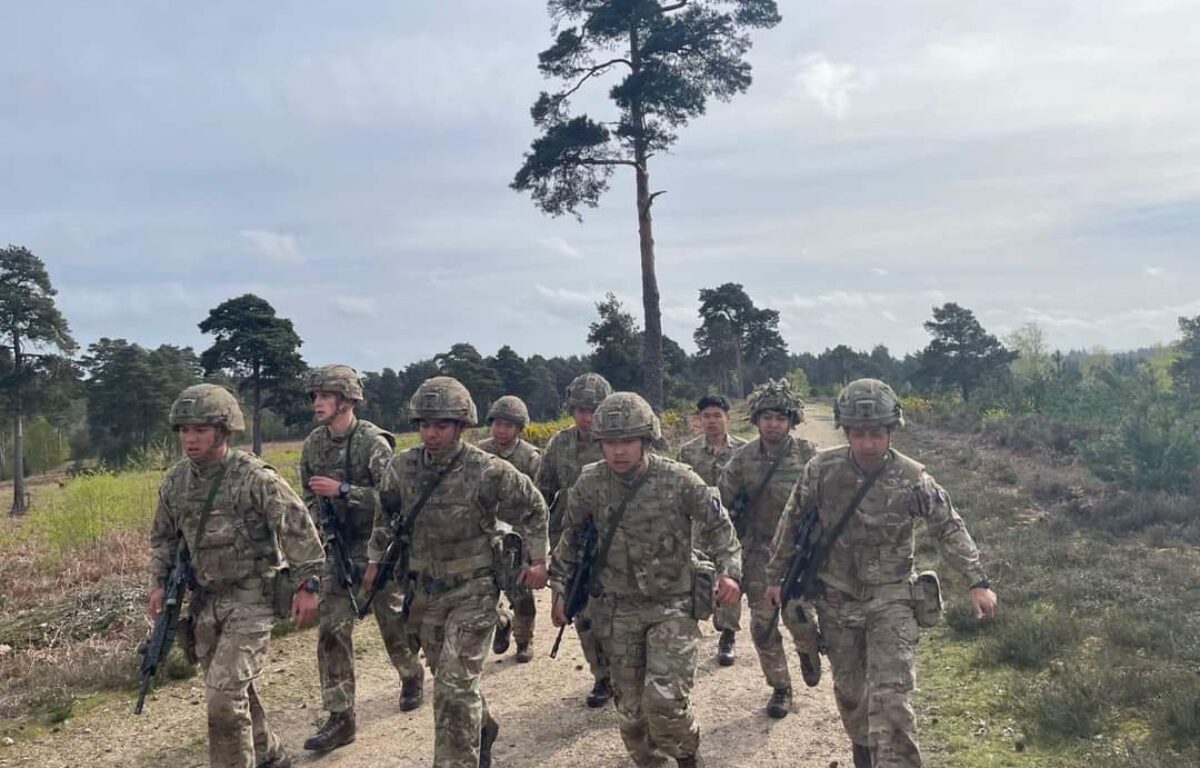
x: 242, y: 524
x: 755, y: 485
x: 566, y: 455
x: 342, y: 461
x: 649, y: 588
x: 709, y: 452
x: 868, y: 598
x: 449, y: 497
x: 506, y: 419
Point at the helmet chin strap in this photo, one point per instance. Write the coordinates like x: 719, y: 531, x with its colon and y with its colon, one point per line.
x: 210, y: 455
x: 342, y: 407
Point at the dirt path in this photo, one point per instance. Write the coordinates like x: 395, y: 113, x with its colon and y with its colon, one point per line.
x: 539, y: 706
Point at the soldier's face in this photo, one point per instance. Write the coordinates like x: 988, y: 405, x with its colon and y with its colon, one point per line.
x: 583, y: 418
x: 773, y: 426
x: 325, y: 405
x: 504, y: 431
x: 714, y: 421
x: 437, y: 434
x: 622, y: 455
x: 197, y: 440
x: 868, y: 445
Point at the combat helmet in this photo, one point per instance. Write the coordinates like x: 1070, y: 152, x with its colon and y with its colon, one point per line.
x: 443, y: 397
x: 587, y: 390
x: 623, y: 415
x: 511, y: 408
x: 775, y: 395
x: 207, y: 404
x: 338, y: 379
x: 867, y: 403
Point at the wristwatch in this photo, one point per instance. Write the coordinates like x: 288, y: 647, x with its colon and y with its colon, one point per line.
x: 343, y: 490
x: 311, y: 584
x: 981, y: 584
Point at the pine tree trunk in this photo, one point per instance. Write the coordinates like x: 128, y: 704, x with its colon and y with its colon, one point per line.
x: 18, y: 505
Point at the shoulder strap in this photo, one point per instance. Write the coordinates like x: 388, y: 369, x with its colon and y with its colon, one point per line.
x: 411, y: 518
x: 823, y: 552
x: 762, y: 485
x: 346, y: 459
x: 610, y: 531
x: 208, y: 503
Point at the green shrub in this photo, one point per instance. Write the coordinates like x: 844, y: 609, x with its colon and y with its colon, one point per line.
x: 1179, y: 710
x: 92, y: 506
x: 1154, y: 448
x: 1027, y: 639
x: 1068, y: 706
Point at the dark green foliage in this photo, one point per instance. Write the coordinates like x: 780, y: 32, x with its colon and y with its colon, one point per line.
x: 962, y: 354
x: 1179, y: 711
x: 1070, y: 705
x: 1030, y: 640
x: 1185, y: 370
x: 616, y: 345
x: 384, y: 400
x: 738, y: 344
x: 464, y: 363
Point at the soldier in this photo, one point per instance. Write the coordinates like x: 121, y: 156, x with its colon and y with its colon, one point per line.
x: 565, y: 456
x: 649, y: 590
x: 451, y: 495
x: 755, y: 485
x: 710, y: 451
x: 507, y: 418
x: 340, y: 464
x: 253, y: 548
x: 868, y: 597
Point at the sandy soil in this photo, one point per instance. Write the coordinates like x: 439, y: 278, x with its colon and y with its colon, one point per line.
x: 539, y: 706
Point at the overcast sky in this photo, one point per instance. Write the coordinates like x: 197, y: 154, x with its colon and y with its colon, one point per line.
x: 1032, y: 160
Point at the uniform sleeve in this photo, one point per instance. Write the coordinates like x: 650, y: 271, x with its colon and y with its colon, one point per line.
x: 565, y: 559
x: 681, y: 455
x: 310, y: 499
x: 164, y: 538
x: 730, y: 480
x: 955, y: 545
x: 784, y: 543
x: 547, y: 479
x: 378, y: 454
x: 289, y: 520
x: 519, y: 504
x: 390, y: 505
x: 717, y: 537
x: 535, y: 467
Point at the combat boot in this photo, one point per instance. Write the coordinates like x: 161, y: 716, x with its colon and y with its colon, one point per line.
x: 862, y: 756
x: 487, y: 737
x: 502, y: 638
x: 780, y: 703
x: 601, y: 693
x: 810, y: 669
x: 338, y: 731
x: 412, y: 692
x: 524, y: 653
x: 690, y: 761
x: 725, y: 654
x: 281, y: 759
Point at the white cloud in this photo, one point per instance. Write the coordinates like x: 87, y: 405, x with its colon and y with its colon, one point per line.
x: 830, y: 83
x: 561, y: 247
x: 1153, y: 271
x: 836, y: 300
x: 354, y: 306
x: 276, y: 247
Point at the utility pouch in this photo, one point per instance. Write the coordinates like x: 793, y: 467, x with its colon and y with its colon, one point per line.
x: 278, y: 591
x: 704, y: 578
x: 927, y: 594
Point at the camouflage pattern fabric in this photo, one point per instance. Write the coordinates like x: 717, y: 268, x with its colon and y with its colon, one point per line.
x: 366, y: 450
x: 745, y: 473
x: 643, y: 618
x: 707, y: 461
x: 867, y: 611
x: 256, y: 522
x: 454, y: 573
x: 526, y: 457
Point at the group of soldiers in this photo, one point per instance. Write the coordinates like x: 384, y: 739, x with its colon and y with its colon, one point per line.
x: 673, y: 543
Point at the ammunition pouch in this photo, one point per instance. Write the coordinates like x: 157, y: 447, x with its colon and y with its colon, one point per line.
x: 277, y: 590
x: 704, y: 578
x: 927, y: 597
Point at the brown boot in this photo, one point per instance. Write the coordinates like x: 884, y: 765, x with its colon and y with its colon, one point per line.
x: 725, y: 652
x: 690, y: 761
x: 810, y: 669
x: 524, y: 653
x: 862, y: 756
x: 337, y: 731
x: 412, y: 692
x: 503, y: 637
x: 601, y: 693
x: 780, y: 703
x: 487, y: 737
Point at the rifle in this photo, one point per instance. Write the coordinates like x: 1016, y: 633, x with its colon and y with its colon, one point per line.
x: 577, y: 590
x: 512, y: 560
x: 155, y: 651
x: 336, y: 549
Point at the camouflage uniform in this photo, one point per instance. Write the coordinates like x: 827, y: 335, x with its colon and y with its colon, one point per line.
x: 358, y: 457
x: 867, y: 599
x: 564, y: 458
x: 256, y: 524
x: 745, y: 473
x: 642, y: 609
x: 452, y: 561
x: 707, y: 461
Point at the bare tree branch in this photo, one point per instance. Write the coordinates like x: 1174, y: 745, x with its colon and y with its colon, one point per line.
x: 675, y: 7
x: 592, y: 72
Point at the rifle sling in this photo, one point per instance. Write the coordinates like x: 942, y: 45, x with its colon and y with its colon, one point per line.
x: 827, y: 545
x: 208, y: 503
x: 610, y: 530
x: 752, y: 501
x: 410, y: 520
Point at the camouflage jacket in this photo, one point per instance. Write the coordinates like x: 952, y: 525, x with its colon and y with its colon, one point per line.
x: 523, y: 455
x: 707, y: 461
x: 651, y: 550
x: 744, y: 474
x: 564, y: 458
x: 256, y: 525
x: 875, y: 551
x: 456, y: 530
x: 359, y: 457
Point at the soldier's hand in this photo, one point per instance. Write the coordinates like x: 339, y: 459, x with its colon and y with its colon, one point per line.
x: 558, y: 614
x: 983, y: 600
x: 158, y: 597
x: 728, y: 591
x: 775, y: 596
x: 534, y: 575
x: 304, y: 608
x: 323, y: 486
x: 368, y: 579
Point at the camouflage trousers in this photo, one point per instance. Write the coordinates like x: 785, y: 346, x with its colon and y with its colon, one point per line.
x: 872, y: 651
x: 771, y: 657
x: 335, y: 638
x: 592, y: 650
x: 652, y: 646
x: 456, y: 629
x: 233, y: 630
x: 521, y: 616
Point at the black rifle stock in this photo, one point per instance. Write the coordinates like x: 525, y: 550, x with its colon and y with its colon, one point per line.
x: 336, y: 549
x: 394, y: 561
x: 163, y: 635
x: 802, y: 569
x: 577, y: 590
